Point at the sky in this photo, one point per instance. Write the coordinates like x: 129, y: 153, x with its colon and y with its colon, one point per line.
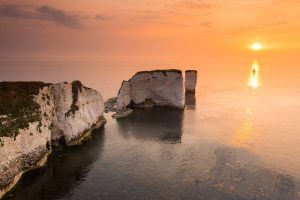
x: 92, y: 41
x: 169, y: 31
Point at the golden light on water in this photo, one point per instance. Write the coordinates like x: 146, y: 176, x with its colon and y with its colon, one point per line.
x: 244, y: 136
x: 254, y: 76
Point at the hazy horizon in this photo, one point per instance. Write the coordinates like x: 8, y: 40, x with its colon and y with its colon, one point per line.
x: 55, y: 41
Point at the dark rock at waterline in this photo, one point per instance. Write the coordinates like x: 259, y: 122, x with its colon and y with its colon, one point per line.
x: 111, y: 105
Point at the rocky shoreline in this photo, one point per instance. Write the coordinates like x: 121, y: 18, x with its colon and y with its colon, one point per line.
x: 35, y: 116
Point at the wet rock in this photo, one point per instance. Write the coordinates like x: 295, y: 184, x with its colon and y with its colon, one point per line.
x: 285, y: 184
x: 190, y: 101
x: 249, y: 181
x: 111, y: 105
x: 122, y: 113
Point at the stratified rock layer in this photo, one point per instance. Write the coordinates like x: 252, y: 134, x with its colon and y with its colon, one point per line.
x: 155, y: 88
x: 45, y: 114
x: 190, y: 80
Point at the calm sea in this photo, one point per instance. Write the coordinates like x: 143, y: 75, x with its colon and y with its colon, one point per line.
x: 231, y: 142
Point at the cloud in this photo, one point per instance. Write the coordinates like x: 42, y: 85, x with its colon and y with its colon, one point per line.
x: 59, y: 17
x: 206, y: 24
x: 12, y: 11
x: 103, y: 17
x: 256, y: 26
x: 196, y: 4
x: 43, y: 13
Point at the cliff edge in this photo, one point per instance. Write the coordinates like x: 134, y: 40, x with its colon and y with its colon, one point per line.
x: 36, y: 115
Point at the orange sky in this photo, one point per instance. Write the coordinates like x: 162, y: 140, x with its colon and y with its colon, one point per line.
x: 167, y: 32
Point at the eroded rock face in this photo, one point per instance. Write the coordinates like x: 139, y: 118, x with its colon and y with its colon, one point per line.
x: 27, y: 148
x: 155, y: 88
x: 64, y: 110
x: 124, y: 96
x: 190, y: 80
x: 77, y: 109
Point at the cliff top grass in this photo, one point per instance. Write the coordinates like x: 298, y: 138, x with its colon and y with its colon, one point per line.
x: 191, y: 70
x: 17, y: 107
x: 164, y: 71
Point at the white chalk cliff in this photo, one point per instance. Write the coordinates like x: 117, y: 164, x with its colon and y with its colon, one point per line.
x: 77, y: 109
x: 158, y: 87
x: 124, y: 96
x: 190, y: 80
x: 66, y: 111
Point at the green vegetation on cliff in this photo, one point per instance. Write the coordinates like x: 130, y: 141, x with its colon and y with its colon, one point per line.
x: 17, y: 107
x: 76, y: 88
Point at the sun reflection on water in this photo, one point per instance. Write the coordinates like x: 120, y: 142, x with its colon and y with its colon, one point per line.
x: 254, y: 76
x: 244, y: 134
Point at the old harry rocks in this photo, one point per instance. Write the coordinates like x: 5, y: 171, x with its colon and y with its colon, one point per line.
x: 156, y: 88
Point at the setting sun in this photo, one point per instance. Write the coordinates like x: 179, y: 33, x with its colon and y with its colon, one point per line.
x: 256, y: 46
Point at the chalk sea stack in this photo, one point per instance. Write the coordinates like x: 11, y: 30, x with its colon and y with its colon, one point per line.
x: 153, y: 88
x: 190, y: 81
x: 36, y: 115
x: 124, y: 96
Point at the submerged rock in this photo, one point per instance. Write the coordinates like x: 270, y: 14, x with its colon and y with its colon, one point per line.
x: 232, y: 170
x: 35, y: 115
x: 111, y: 105
x: 190, y: 81
x: 122, y: 113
